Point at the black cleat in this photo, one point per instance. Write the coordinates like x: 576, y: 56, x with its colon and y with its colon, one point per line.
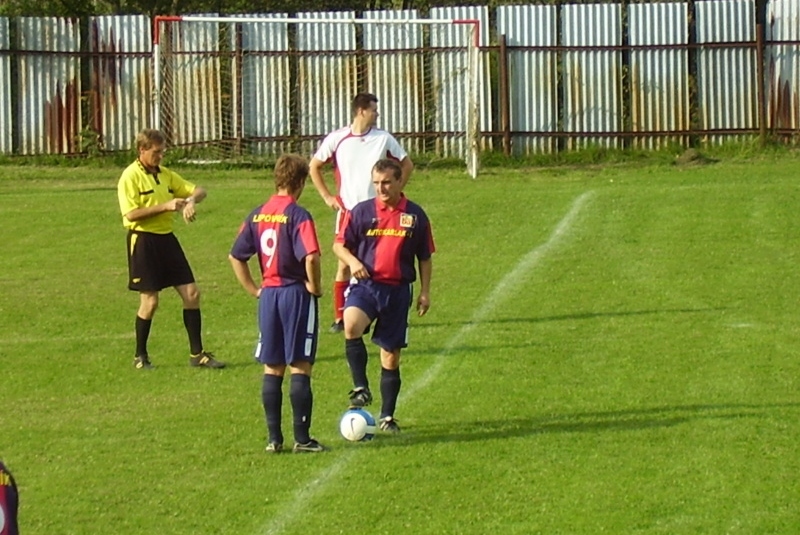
x: 205, y: 359
x: 142, y: 362
x: 274, y: 447
x: 389, y: 424
x: 312, y: 446
x: 360, y: 397
x: 337, y: 327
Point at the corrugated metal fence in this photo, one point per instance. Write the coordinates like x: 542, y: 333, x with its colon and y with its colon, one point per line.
x: 659, y: 78
x: 120, y: 95
x: 646, y: 77
x: 5, y: 89
x: 551, y: 78
x: 783, y: 64
x: 49, y: 84
x: 286, y: 83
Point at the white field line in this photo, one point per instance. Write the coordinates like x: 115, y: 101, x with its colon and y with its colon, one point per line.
x: 501, y: 291
x: 304, y: 495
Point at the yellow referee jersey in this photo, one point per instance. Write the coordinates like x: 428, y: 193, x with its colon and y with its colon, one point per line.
x: 139, y: 189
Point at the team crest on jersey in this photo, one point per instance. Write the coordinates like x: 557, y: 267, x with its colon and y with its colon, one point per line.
x: 408, y: 220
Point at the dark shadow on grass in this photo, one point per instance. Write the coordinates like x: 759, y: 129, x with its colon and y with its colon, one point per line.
x: 568, y: 317
x: 251, y: 362
x: 582, y: 422
x: 337, y: 356
x: 229, y: 363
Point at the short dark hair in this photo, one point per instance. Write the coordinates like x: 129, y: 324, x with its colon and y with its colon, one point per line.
x: 386, y: 164
x: 291, y: 171
x: 149, y: 137
x: 362, y: 101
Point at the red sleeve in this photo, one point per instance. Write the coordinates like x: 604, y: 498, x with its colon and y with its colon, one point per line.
x: 308, y: 236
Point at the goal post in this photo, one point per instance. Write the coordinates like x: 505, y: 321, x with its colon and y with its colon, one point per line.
x: 247, y: 88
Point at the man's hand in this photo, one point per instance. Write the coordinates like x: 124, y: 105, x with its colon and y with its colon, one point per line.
x: 175, y: 204
x: 189, y: 212
x: 423, y: 304
x: 358, y: 270
x: 333, y: 202
x: 312, y: 289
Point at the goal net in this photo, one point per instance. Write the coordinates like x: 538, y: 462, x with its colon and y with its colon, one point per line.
x: 248, y: 88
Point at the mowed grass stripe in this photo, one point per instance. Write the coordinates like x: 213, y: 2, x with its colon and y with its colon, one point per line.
x: 500, y: 292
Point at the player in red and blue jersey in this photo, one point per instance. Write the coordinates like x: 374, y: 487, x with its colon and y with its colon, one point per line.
x: 282, y: 235
x: 380, y: 240
x: 9, y: 503
x: 353, y: 150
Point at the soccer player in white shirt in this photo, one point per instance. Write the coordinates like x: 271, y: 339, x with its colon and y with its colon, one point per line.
x: 353, y: 151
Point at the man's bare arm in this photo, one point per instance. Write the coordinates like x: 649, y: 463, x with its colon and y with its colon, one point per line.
x: 315, y: 172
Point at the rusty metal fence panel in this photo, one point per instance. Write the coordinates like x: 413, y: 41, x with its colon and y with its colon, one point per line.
x: 449, y: 72
x: 727, y: 86
x: 389, y: 75
x: 783, y: 66
x: 196, y: 106
x: 592, y: 78
x: 49, y: 117
x: 268, y: 86
x: 533, y: 83
x: 265, y: 84
x: 327, y: 82
x: 6, y: 123
x: 120, y: 77
x: 659, y: 78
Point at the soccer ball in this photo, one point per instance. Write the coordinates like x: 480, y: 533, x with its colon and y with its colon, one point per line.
x: 357, y: 425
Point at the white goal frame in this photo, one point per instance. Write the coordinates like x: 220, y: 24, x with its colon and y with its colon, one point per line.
x: 455, y: 94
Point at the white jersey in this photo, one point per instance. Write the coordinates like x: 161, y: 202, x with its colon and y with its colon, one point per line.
x: 353, y: 156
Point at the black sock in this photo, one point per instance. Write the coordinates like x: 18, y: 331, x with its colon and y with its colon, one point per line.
x: 142, y: 334
x: 193, y: 323
x: 302, y: 402
x: 356, y: 353
x: 271, y: 398
x: 390, y: 389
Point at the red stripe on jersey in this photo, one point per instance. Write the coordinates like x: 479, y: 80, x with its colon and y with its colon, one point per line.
x: 337, y: 172
x: 387, y: 247
x: 342, y: 224
x: 387, y: 241
x: 308, y: 237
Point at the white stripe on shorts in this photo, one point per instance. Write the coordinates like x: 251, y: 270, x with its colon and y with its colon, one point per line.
x: 312, y: 321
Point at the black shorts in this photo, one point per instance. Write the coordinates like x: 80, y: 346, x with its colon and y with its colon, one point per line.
x: 155, y: 262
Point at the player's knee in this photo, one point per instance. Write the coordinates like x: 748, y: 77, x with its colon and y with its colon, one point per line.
x: 148, y: 304
x: 301, y: 367
x: 390, y: 360
x: 353, y: 330
x: 191, y: 297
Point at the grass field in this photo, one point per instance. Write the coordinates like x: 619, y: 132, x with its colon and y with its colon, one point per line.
x: 609, y: 350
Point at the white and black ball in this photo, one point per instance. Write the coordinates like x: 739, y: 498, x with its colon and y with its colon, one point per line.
x: 357, y: 425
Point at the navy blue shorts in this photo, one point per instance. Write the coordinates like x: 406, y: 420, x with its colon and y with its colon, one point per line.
x: 288, y: 322
x: 388, y: 306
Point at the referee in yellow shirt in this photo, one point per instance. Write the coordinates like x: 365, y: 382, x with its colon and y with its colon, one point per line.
x: 148, y: 196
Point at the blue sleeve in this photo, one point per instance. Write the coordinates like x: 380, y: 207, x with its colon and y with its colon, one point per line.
x: 245, y: 246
